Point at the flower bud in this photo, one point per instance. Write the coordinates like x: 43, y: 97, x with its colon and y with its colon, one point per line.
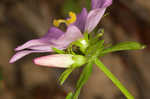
x: 60, y: 60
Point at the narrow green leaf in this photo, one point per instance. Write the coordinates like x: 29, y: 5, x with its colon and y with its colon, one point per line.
x: 58, y: 51
x: 124, y: 46
x: 118, y: 84
x: 65, y: 75
x: 83, y: 79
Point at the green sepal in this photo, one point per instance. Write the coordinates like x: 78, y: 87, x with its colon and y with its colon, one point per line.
x: 124, y: 46
x: 94, y: 38
x: 79, y: 60
x: 58, y: 51
x: 70, y: 51
x: 95, y: 49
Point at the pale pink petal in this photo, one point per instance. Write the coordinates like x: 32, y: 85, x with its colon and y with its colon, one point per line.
x: 101, y: 3
x: 35, y: 42
x: 19, y: 55
x: 93, y: 19
x: 53, y: 33
x: 72, y: 34
x: 42, y: 47
x: 57, y: 60
x: 23, y: 53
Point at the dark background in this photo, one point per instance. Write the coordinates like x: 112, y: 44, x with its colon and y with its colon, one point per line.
x: 22, y: 20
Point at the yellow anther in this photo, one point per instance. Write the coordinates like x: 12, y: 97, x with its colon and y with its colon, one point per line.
x: 71, y: 20
x: 58, y: 22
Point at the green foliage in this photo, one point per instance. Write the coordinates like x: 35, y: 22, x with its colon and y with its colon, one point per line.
x: 92, y: 52
x: 83, y: 79
x: 124, y: 46
x: 65, y: 75
x: 95, y: 49
x: 79, y: 60
x: 69, y: 96
x: 106, y: 71
x: 82, y: 44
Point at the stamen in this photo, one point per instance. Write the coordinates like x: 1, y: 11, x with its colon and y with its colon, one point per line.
x: 69, y: 21
x: 58, y: 22
x: 72, y: 18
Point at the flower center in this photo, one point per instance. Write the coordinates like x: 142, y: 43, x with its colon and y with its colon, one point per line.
x: 69, y: 21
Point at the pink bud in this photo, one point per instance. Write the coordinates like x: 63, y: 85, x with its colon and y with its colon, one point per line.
x: 56, y: 60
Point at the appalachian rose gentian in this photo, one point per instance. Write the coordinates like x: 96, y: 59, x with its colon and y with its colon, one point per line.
x: 76, y: 25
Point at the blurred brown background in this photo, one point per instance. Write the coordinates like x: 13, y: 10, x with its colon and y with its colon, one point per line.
x: 22, y: 20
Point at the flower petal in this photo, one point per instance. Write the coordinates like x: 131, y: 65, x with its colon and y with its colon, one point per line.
x: 101, y: 3
x: 72, y: 34
x: 35, y: 42
x: 42, y: 47
x: 53, y: 33
x: 93, y: 19
x: 21, y: 54
x: 57, y: 60
x: 81, y: 19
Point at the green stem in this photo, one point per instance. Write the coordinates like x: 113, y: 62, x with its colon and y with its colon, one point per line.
x: 113, y: 78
